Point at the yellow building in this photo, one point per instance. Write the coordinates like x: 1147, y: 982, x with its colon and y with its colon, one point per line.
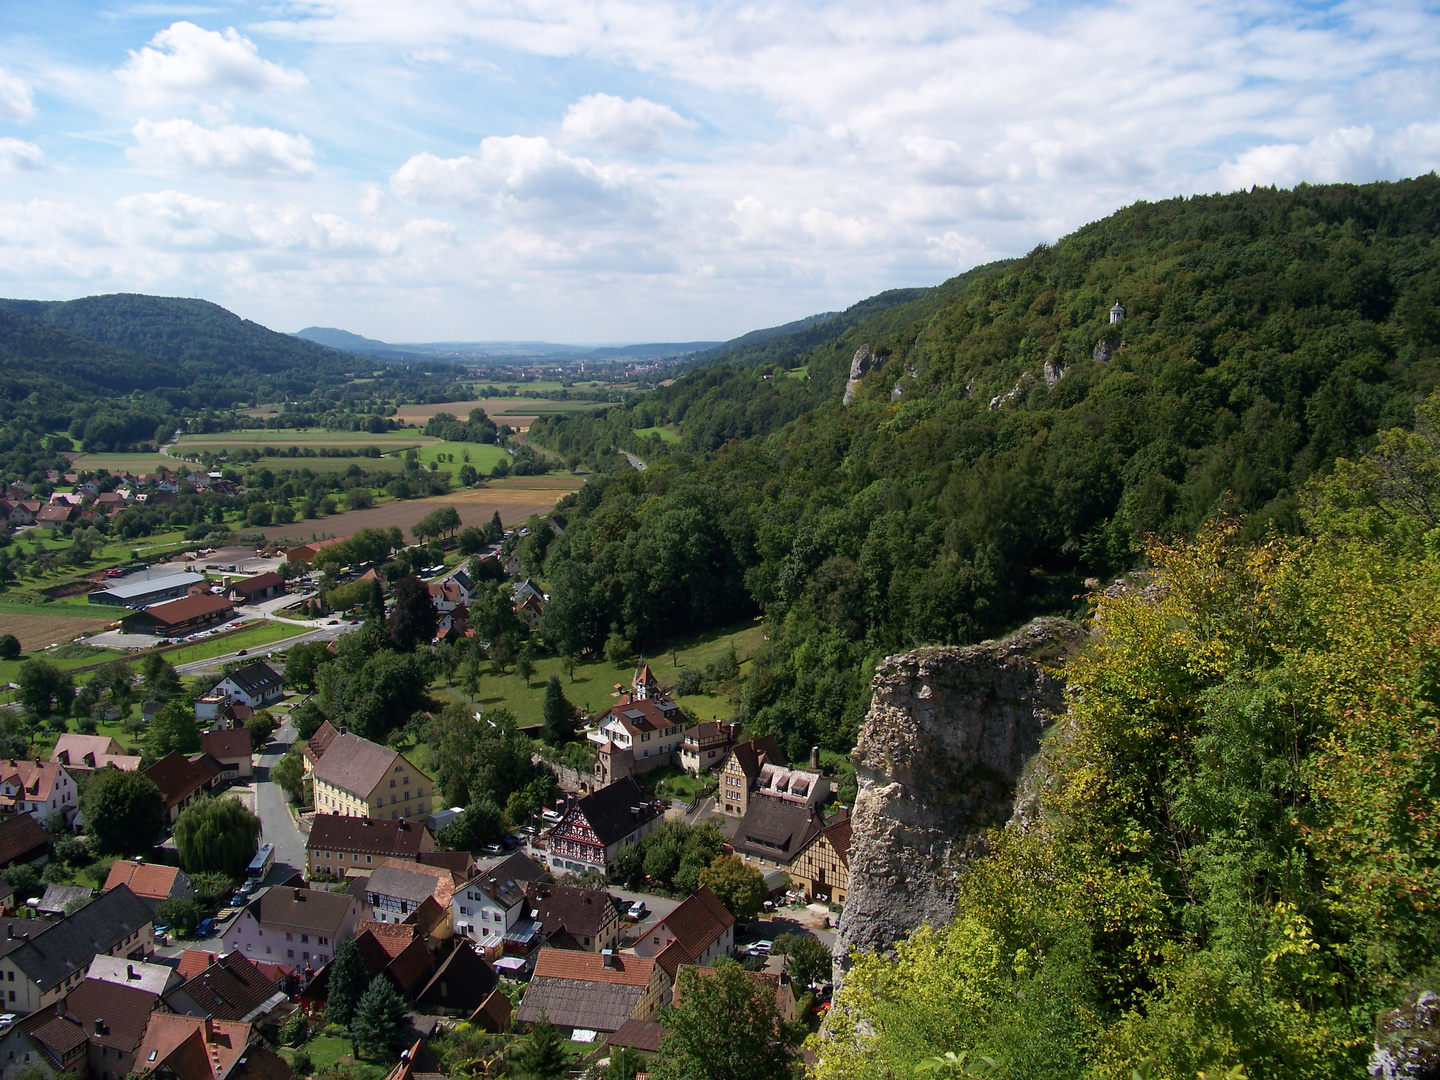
x: 358, y: 778
x: 822, y: 869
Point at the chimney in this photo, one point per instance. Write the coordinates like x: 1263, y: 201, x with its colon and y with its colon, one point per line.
x: 299, y: 896
x: 11, y: 931
x: 99, y: 1026
x: 607, y: 957
x: 814, y: 759
x: 130, y: 972
x: 784, y: 978
x: 209, y: 1029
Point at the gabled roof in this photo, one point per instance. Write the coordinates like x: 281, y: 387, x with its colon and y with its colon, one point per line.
x: 232, y: 988
x: 754, y: 753
x: 612, y: 813
x: 178, y: 777
x: 255, y: 678
x: 306, y: 910
x: 672, y: 957
x: 505, y: 881
x: 412, y: 882
x: 583, y: 912
x: 495, y: 1010
x: 152, y: 881
x: 699, y: 921
x: 124, y: 1010
x: 32, y: 780
x: 647, y: 714
x: 190, y: 607
x: 575, y: 989
x: 259, y: 583
x: 57, y: 898
x: 21, y: 836
x: 627, y: 969
x: 462, y: 982
x: 15, y: 932
x: 52, y: 1032
x: 643, y: 1035
x: 772, y: 829
x: 152, y: 978
x: 191, y: 1047
x: 369, y: 836
x: 226, y: 743
x: 354, y: 764
x: 69, y: 945
x: 101, y: 750
x: 316, y: 745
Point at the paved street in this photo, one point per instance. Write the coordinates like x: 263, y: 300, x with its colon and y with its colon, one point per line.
x: 277, y: 826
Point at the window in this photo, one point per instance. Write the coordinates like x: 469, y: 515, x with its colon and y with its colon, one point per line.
x: 322, y: 941
x: 305, y: 940
x: 289, y: 937
x: 392, y: 783
x: 406, y: 780
x: 290, y: 954
x: 368, y: 858
x: 267, y: 950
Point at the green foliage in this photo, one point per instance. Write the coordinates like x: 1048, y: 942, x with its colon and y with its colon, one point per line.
x: 294, y: 1029
x: 347, y: 983
x: 624, y: 1064
x: 484, y: 761
x: 9, y: 647
x: 44, y: 688
x: 24, y: 879
x: 173, y: 728
x: 289, y: 773
x: 481, y: 823
x: 379, y: 1024
x: 806, y: 958
x: 738, y: 885
x: 559, y: 714
x: 261, y: 726
x: 181, y: 914
x: 124, y: 812
x: 211, y: 887
x: 412, y: 619
x: 670, y: 857
x: 306, y: 720
x: 217, y: 835
x: 541, y: 1054
x: 725, y: 1027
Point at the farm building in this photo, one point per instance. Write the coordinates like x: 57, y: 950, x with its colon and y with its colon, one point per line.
x: 179, y: 616
x: 137, y: 594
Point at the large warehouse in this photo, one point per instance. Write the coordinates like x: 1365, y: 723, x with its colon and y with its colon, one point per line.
x: 137, y: 594
x: 179, y: 616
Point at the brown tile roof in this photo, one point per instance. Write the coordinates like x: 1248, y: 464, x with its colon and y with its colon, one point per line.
x: 187, y: 608
x: 629, y: 970
x: 583, y: 912
x: 36, y: 779
x: 232, y: 988
x: 191, y: 1047
x: 152, y: 881
x: 672, y: 958
x: 776, y: 830
x: 461, y: 983
x: 124, y: 1009
x: 457, y: 862
x: 21, y: 836
x: 444, y: 880
x: 754, y: 753
x: 229, y: 743
x: 354, y: 764
x: 305, y: 910
x: 178, y: 777
x: 316, y: 745
x: 575, y: 989
x: 56, y: 1034
x: 411, y: 967
x: 643, y: 1035
x: 193, y: 962
x: 258, y: 583
x: 699, y: 921
x: 394, y: 938
x: 839, y: 836
x: 495, y: 1010
x: 608, y: 811
x: 368, y: 836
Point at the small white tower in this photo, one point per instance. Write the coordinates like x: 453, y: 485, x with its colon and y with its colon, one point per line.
x: 1116, y: 313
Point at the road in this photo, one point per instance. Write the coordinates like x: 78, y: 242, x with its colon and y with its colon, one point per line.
x: 276, y: 825
x: 323, y: 633
x: 635, y: 462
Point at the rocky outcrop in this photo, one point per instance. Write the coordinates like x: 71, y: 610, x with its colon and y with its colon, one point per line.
x: 1408, y: 1046
x: 938, y: 762
x: 863, y: 362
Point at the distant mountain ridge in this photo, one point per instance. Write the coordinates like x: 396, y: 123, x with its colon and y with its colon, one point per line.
x: 495, y: 350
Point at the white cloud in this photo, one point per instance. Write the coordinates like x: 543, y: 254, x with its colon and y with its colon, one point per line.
x: 19, y: 156
x: 232, y: 150
x: 606, y: 122
x: 514, y: 175
x: 15, y: 101
x: 1353, y: 154
x: 184, y: 60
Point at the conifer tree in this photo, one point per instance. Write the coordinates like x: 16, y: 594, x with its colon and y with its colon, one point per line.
x: 379, y: 1022
x: 348, y: 982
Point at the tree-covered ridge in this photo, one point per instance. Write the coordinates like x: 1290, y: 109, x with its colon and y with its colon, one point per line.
x: 1266, y: 333
x: 1238, y: 859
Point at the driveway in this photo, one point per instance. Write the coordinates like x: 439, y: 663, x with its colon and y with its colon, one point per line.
x: 276, y: 825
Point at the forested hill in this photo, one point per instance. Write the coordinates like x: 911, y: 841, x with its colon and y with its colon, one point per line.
x: 1266, y: 334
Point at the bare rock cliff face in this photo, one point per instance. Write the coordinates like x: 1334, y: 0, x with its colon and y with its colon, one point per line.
x: 938, y: 762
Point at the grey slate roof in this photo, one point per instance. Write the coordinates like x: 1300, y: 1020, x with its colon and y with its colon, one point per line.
x: 255, y: 678
x: 575, y: 1003
x: 776, y: 830
x: 401, y: 884
x: 53, y: 955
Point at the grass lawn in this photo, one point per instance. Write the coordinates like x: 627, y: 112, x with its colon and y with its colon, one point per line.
x: 801, y: 372
x: 67, y: 657
x: 668, y: 433
x: 328, y: 1050
x: 319, y: 465
x: 262, y: 633
x: 482, y: 455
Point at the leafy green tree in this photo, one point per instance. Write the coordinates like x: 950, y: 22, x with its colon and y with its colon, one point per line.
x: 123, y: 811
x: 210, y: 887
x: 525, y: 664
x: 24, y: 879
x: 740, y: 887
x: 44, y: 688
x: 181, y: 914
x: 173, y: 728
x: 412, y: 619
x: 289, y: 773
x: 481, y: 823
x: 261, y: 726
x: 9, y: 647
x: 347, y: 982
x: 624, y: 1064
x: 541, y: 1053
x: 618, y: 649
x: 379, y: 1024
x: 806, y: 958
x: 725, y: 1027
x: 161, y: 680
x: 302, y: 661
x: 306, y: 720
x: 217, y: 835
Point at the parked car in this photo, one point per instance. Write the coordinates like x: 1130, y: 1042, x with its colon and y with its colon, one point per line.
x: 242, y: 652
x: 7, y: 1021
x: 637, y: 911
x: 760, y: 948
x: 493, y: 849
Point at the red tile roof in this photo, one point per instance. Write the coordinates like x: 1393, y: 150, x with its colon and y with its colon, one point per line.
x: 228, y: 743
x: 317, y: 744
x: 190, y: 607
x: 150, y: 880
x: 178, y: 777
x: 699, y: 921
x: 590, y: 967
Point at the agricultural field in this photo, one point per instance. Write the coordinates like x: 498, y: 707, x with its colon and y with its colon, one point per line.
x: 66, y: 657
x: 132, y: 463
x: 669, y: 433
x: 517, y: 498
x: 261, y: 439
x: 255, y: 636
x: 517, y: 412
x: 37, y: 631
x: 320, y: 465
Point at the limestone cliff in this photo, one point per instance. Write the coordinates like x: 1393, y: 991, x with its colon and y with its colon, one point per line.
x: 938, y: 761
x: 863, y: 362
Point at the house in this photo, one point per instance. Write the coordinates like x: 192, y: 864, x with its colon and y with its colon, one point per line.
x: 742, y: 769
x: 593, y: 991
x: 58, y: 900
x: 194, y: 961
x: 703, y: 747
x: 152, y: 978
x: 13, y: 934
x: 254, y: 590
x: 317, y: 744
x: 339, y: 845
x: 179, y: 617
x: 459, y: 985
x: 822, y: 869
x: 774, y: 833
x: 176, y: 1047
x: 700, y: 925
x: 396, y: 952
x: 231, y: 748
x: 53, y: 515
x: 256, y: 685
x: 181, y: 781
x: 494, y: 1012
x: 53, y: 962
x: 808, y: 787
x: 43, y: 789
x: 43, y: 1044
x: 397, y: 888
x: 285, y: 925
x: 111, y: 1018
x: 22, y: 840
x: 147, y: 590
x: 493, y: 901
x: 232, y: 988
x: 591, y: 830
x: 92, y: 752
x: 588, y: 916
x: 149, y: 881
x: 446, y: 596
x: 637, y: 736
x: 360, y: 778
x: 305, y: 553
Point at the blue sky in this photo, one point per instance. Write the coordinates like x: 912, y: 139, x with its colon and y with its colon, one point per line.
x: 623, y: 170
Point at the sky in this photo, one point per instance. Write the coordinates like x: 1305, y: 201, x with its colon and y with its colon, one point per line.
x: 656, y: 170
